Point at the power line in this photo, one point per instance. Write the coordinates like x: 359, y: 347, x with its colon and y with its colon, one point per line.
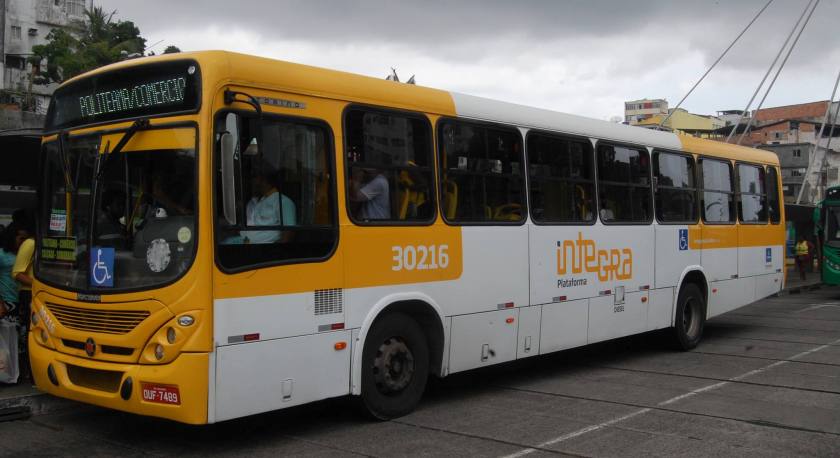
x: 767, y: 73
x: 812, y: 156
x: 782, y: 65
x: 661, y: 123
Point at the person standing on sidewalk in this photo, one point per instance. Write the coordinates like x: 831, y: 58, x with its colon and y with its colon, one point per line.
x: 8, y: 286
x: 802, y: 256
x: 22, y: 273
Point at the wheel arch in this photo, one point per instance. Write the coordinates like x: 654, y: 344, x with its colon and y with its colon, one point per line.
x: 696, y: 275
x: 419, y: 307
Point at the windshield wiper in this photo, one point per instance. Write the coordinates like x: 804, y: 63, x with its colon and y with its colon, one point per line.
x: 65, y: 164
x: 135, y: 126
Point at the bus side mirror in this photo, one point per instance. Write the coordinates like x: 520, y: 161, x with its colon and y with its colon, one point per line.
x: 228, y: 165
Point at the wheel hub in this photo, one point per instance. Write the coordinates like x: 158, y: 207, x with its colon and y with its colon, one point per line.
x: 393, y: 367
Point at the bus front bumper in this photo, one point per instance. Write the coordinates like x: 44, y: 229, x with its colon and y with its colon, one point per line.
x: 179, y: 389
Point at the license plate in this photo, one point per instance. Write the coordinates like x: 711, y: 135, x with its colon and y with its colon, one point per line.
x: 161, y: 394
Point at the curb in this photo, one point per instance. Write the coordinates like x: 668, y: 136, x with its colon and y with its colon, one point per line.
x: 800, y: 289
x: 37, y: 403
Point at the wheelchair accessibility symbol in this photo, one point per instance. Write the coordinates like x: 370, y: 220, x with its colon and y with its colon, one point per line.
x: 102, y: 267
x: 683, y: 239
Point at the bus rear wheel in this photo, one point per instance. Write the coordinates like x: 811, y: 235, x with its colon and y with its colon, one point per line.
x: 690, y: 317
x: 395, y: 367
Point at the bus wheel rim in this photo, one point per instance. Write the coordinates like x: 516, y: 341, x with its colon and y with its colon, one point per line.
x: 393, y: 367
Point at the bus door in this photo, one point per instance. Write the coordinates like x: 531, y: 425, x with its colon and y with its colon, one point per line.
x: 278, y: 282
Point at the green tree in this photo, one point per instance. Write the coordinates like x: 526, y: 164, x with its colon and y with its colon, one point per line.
x: 171, y: 49
x: 98, y: 40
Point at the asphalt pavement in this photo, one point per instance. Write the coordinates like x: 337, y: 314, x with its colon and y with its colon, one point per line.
x: 765, y: 381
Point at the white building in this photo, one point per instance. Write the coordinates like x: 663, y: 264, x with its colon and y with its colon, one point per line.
x: 638, y: 110
x: 24, y: 24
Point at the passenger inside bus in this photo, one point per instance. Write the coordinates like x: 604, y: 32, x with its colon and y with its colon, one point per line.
x: 370, y: 191
x: 111, y: 220
x: 268, y: 207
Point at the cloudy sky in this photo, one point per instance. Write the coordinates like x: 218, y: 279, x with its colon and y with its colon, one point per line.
x: 575, y: 56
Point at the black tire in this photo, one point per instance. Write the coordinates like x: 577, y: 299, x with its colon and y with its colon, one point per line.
x: 395, y: 367
x: 690, y: 317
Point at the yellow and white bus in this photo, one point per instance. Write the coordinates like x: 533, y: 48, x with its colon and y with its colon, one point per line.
x: 222, y: 235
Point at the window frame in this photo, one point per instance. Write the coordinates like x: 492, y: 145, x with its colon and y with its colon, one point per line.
x: 733, y: 193
x: 522, y: 170
x: 779, y: 192
x: 594, y: 181
x: 598, y: 192
x: 739, y: 201
x: 433, y: 194
x: 333, y: 192
x: 696, y: 188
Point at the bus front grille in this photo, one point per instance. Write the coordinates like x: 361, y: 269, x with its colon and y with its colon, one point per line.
x: 94, y: 320
x: 95, y: 379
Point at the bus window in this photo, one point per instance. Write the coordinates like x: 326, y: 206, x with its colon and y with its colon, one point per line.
x: 753, y: 208
x: 562, y: 179
x: 773, y: 195
x: 481, y: 173
x: 718, y: 196
x: 676, y: 191
x: 390, y: 171
x: 623, y: 184
x: 285, y: 204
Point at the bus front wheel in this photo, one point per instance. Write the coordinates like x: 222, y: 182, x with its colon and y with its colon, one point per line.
x: 395, y: 366
x: 690, y: 317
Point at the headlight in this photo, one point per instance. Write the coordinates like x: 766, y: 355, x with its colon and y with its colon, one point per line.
x: 166, y: 343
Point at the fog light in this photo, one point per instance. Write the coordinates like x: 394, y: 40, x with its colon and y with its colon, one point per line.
x: 51, y: 375
x: 159, y: 351
x: 170, y: 335
x: 44, y: 335
x: 186, y: 320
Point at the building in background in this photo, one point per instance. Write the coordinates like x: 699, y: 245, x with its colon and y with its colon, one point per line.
x: 682, y: 121
x: 23, y: 104
x: 26, y: 23
x: 639, y: 110
x: 793, y: 133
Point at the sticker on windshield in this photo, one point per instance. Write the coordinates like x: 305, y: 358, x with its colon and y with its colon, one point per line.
x: 184, y: 234
x: 58, y: 220
x: 102, y: 267
x: 158, y: 255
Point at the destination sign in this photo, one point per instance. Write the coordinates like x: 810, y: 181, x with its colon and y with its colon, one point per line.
x: 139, y: 91
x: 164, y: 92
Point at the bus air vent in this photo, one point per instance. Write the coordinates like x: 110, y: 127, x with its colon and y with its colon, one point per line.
x: 95, y: 379
x: 95, y: 320
x: 329, y: 301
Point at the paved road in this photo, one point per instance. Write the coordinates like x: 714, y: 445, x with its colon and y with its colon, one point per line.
x: 764, y: 382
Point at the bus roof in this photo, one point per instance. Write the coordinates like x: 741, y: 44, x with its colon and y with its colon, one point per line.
x: 223, y: 66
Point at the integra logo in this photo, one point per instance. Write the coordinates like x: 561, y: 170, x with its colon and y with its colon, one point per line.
x: 581, y: 255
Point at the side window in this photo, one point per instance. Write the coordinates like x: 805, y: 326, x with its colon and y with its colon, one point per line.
x: 562, y: 179
x: 390, y: 170
x: 623, y: 184
x: 718, y: 201
x: 676, y: 191
x: 753, y: 202
x: 284, y: 202
x: 773, y: 195
x: 481, y: 173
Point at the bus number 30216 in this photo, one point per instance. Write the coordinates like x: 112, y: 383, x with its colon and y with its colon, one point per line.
x: 420, y: 257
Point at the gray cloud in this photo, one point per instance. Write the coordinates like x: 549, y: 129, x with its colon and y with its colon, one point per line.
x: 608, y: 49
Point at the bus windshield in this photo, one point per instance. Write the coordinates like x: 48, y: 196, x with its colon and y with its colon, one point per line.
x: 832, y: 227
x: 118, y: 222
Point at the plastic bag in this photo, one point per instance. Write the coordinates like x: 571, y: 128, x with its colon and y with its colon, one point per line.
x: 9, y: 367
